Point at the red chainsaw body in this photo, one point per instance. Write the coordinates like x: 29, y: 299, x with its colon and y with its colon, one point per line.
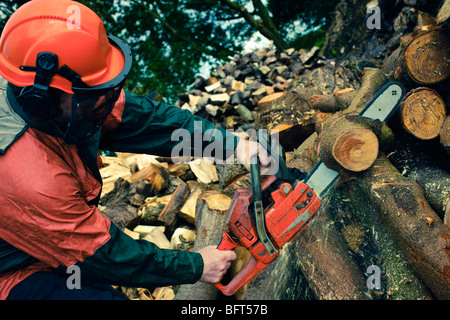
x: 290, y: 210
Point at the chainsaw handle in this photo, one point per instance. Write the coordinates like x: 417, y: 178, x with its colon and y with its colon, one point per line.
x: 252, y: 268
x: 227, y: 243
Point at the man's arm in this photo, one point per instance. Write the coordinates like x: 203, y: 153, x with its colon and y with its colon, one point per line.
x: 140, y: 125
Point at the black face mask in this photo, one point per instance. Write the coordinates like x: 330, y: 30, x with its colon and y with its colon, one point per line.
x: 90, y: 104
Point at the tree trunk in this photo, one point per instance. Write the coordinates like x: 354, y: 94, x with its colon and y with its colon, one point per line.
x: 417, y: 229
x: 423, y: 113
x: 210, y: 218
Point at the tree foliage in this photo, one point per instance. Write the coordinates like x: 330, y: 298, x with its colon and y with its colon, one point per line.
x: 171, y: 39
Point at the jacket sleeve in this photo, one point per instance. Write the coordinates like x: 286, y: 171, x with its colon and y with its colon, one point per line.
x: 140, y: 125
x: 139, y: 263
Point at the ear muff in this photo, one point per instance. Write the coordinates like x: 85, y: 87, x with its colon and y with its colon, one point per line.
x: 36, y: 101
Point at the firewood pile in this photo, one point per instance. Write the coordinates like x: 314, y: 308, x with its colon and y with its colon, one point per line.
x: 384, y: 229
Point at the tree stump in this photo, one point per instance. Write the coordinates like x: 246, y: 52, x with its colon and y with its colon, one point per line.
x: 423, y: 113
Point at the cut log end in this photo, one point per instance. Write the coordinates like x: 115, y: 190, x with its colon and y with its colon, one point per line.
x: 356, y: 150
x: 427, y: 57
x: 423, y: 113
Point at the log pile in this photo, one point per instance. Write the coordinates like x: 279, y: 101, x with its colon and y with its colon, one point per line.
x: 384, y: 230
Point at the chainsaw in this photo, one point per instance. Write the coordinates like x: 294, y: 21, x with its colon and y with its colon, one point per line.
x: 279, y: 207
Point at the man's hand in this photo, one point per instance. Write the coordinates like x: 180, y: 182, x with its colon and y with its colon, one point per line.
x: 216, y: 263
x: 246, y: 149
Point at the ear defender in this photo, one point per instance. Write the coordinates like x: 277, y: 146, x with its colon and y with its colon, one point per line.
x: 36, y: 101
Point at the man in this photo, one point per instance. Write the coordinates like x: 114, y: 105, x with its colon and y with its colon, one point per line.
x: 61, y: 100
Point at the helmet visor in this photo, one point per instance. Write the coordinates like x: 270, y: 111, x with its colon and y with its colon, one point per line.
x: 89, y: 112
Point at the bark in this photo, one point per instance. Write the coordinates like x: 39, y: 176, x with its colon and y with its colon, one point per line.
x: 337, y: 101
x: 372, y: 80
x: 417, y: 229
x: 445, y: 134
x: 372, y: 245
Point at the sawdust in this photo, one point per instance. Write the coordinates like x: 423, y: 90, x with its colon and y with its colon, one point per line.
x: 354, y: 236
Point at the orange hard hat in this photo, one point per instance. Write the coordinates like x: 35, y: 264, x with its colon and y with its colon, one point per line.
x: 67, y: 29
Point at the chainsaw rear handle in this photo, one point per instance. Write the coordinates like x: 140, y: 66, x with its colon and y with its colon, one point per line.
x: 252, y: 268
x: 246, y: 274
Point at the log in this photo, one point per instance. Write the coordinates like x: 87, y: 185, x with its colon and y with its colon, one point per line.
x: 289, y: 115
x: 372, y: 245
x: 423, y: 113
x: 351, y: 142
x: 337, y: 101
x: 212, y: 208
x: 426, y: 59
x: 372, y: 81
x: 445, y: 134
x: 417, y: 229
x: 427, y: 164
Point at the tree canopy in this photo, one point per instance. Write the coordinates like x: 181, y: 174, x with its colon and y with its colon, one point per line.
x: 171, y: 39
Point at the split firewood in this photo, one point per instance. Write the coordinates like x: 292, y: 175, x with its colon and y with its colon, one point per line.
x: 152, y: 208
x: 426, y: 59
x: 212, y: 208
x: 187, y: 211
x: 113, y: 168
x: 444, y: 13
x: 204, y: 170
x: 445, y: 134
x: 158, y: 237
x: 169, y: 214
x: 156, y: 174
x: 228, y: 173
x: 182, y: 239
x: 337, y: 101
x: 163, y: 293
x: 423, y: 113
x: 417, y: 229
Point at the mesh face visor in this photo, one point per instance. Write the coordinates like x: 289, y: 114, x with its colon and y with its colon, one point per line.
x: 89, y: 112
x: 92, y: 104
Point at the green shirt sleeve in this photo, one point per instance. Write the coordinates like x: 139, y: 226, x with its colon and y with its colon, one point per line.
x: 158, y: 128
x: 140, y: 263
